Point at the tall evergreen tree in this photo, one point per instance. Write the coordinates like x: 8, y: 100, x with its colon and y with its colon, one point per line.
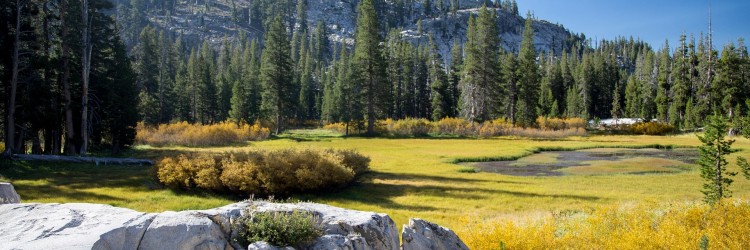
x: 457, y: 56
x: 632, y: 98
x: 369, y: 63
x: 441, y: 99
x: 276, y: 75
x: 528, y: 77
x: 681, y: 83
x: 480, y: 84
x: 662, y: 91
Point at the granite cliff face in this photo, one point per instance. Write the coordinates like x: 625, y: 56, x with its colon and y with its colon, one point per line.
x: 226, y: 18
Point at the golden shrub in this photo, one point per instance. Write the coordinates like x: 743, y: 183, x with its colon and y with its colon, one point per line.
x: 409, y: 127
x: 190, y: 171
x: 495, y: 127
x: 185, y: 134
x: 652, y: 128
x: 2, y: 147
x: 455, y: 126
x: 339, y: 127
x: 547, y: 123
x: 279, y: 172
x: 240, y: 176
x: 353, y: 160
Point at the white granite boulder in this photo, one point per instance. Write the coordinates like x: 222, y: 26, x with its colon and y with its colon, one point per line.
x: 95, y: 226
x: 8, y: 194
x: 71, y: 226
x: 424, y: 235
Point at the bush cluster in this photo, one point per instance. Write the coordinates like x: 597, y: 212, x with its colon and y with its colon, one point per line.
x: 651, y: 128
x: 408, y: 127
x: 2, y: 147
x: 278, y: 228
x: 546, y: 123
x: 279, y: 172
x: 186, y: 134
x: 455, y: 126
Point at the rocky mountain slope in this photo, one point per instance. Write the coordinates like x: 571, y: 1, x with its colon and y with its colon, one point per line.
x: 216, y: 19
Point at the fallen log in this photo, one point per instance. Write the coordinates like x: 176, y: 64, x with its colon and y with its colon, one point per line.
x: 78, y: 159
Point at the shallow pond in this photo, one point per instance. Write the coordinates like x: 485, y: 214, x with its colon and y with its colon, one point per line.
x: 600, y: 161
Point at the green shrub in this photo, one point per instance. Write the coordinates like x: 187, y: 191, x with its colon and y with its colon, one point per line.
x: 278, y: 228
x: 279, y: 172
x: 651, y: 128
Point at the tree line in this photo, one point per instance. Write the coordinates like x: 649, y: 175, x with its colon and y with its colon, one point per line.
x: 66, y: 76
x: 292, y: 73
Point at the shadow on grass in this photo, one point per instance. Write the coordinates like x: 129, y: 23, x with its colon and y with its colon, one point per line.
x: 69, y: 181
x: 373, y: 189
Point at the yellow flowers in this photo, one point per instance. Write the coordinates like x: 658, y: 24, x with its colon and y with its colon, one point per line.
x: 645, y: 226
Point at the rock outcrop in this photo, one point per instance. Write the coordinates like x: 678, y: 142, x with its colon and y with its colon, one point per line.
x: 94, y: 226
x: 424, y: 235
x: 8, y: 194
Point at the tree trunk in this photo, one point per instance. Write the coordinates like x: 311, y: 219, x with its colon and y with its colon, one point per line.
x: 70, y: 147
x: 10, y: 126
x: 86, y: 68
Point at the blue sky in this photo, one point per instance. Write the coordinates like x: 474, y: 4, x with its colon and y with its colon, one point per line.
x: 651, y: 21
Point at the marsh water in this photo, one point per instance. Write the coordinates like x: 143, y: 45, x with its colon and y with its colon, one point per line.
x: 595, y: 162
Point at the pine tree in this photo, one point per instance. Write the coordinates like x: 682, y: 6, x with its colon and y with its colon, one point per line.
x: 369, y: 63
x: 662, y: 90
x: 729, y: 82
x: 510, y: 82
x: 528, y: 77
x: 276, y: 75
x: 457, y: 57
x: 441, y: 103
x: 632, y: 98
x: 347, y: 92
x: 713, y: 160
x: 480, y: 84
x: 207, y: 101
x: 681, y: 80
x: 616, y: 107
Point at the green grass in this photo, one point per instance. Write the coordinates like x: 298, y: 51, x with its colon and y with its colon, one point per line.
x: 409, y: 178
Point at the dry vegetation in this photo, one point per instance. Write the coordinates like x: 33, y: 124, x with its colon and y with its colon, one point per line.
x: 651, y: 128
x: 192, y: 135
x: 263, y: 172
x: 452, y: 127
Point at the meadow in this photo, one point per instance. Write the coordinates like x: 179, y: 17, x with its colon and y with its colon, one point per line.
x: 417, y: 177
